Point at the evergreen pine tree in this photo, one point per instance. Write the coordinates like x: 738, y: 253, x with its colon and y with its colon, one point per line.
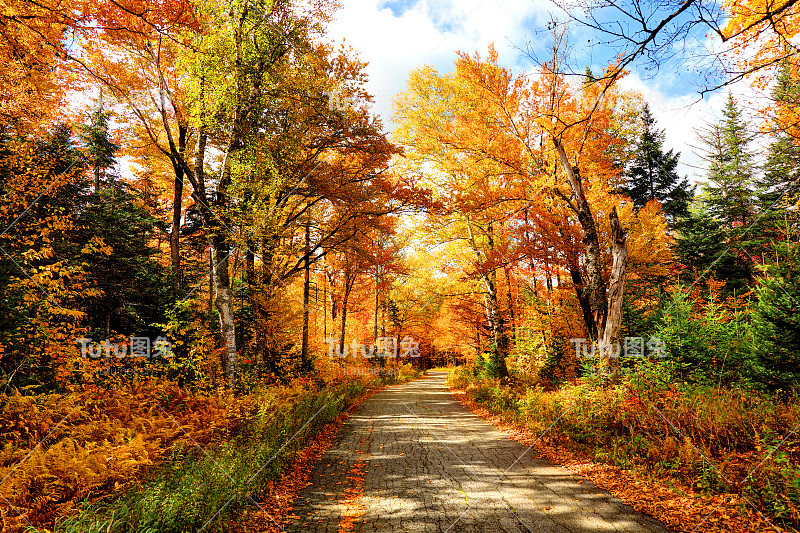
x: 97, y: 144
x: 729, y: 194
x: 652, y: 174
x: 782, y: 169
x: 777, y: 188
x: 134, y: 284
x: 134, y: 293
x: 699, y: 245
x: 776, y: 321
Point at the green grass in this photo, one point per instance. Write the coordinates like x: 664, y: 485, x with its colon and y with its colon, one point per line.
x: 204, y: 489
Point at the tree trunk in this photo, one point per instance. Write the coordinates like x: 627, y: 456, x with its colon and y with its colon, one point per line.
x: 177, y: 207
x: 247, y: 98
x: 343, y: 321
x: 250, y: 269
x: 595, y: 289
x: 305, y: 360
x: 496, y: 323
x: 210, y: 282
x: 375, y: 329
x: 220, y: 251
x: 588, y: 319
x: 175, y: 234
x: 252, y: 338
x: 616, y: 287
x: 604, y: 300
x: 224, y: 304
x: 512, y: 323
x: 548, y: 282
x: 385, y: 307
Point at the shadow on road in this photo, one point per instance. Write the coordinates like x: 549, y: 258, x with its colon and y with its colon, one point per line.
x: 431, y: 465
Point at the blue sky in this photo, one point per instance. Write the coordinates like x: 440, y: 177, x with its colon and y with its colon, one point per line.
x: 396, y: 36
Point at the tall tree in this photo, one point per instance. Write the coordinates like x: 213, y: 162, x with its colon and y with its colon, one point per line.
x: 731, y: 169
x: 782, y: 168
x: 133, y: 282
x: 210, y: 79
x: 100, y: 150
x: 778, y: 185
x: 776, y: 322
x: 652, y: 173
x: 700, y: 247
x: 43, y: 258
x: 525, y: 157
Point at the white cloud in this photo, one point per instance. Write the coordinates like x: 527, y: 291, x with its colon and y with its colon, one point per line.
x: 429, y: 32
x: 398, y: 36
x: 686, y: 115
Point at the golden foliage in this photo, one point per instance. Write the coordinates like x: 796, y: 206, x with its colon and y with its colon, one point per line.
x: 58, y: 450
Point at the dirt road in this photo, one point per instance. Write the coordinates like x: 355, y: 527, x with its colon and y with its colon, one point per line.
x: 411, y: 458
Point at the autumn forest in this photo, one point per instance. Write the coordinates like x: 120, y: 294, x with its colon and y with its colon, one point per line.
x: 213, y: 249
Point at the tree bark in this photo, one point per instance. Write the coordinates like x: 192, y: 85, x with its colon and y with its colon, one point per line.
x: 343, y: 324
x: 512, y: 322
x: 177, y: 207
x: 616, y: 287
x: 496, y: 323
x: 210, y: 282
x: 304, y: 358
x: 595, y: 288
x: 224, y: 304
x: 588, y: 319
x: 220, y: 251
x: 604, y: 301
x: 375, y: 329
x: 175, y: 234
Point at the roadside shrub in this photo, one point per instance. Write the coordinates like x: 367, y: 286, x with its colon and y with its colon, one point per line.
x: 776, y: 323
x: 706, y: 436
x: 198, y: 488
x: 558, y: 364
x: 708, y: 341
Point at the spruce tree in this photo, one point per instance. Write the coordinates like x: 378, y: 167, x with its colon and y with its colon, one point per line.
x: 97, y: 143
x: 652, y: 174
x: 776, y: 321
x: 133, y: 283
x: 782, y: 169
x: 699, y: 244
x: 731, y: 170
x: 777, y: 188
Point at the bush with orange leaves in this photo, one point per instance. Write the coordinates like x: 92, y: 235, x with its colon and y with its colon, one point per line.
x: 56, y: 450
x: 59, y: 450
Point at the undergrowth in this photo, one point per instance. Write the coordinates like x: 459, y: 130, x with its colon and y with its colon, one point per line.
x: 201, y: 489
x: 149, y: 455
x: 716, y: 439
